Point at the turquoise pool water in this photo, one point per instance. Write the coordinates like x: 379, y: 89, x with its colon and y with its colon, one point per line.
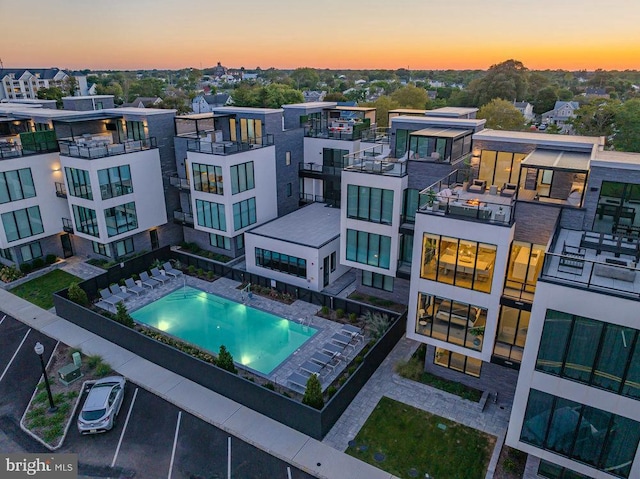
x: 256, y: 339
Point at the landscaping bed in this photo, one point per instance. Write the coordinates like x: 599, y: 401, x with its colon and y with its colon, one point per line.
x: 414, y: 370
x: 511, y: 464
x: 379, y: 302
x: 39, y: 291
x: 408, y: 442
x: 50, y: 428
x: 270, y: 293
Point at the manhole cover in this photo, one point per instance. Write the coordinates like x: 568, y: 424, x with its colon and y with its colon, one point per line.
x: 379, y: 457
x: 413, y: 472
x: 442, y: 426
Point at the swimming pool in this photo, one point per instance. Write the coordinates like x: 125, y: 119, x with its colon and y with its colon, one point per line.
x: 256, y: 339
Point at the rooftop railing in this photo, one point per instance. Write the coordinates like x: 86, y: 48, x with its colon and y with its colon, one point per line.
x: 178, y: 182
x: 372, y: 160
x: 90, y: 150
x: 228, y: 147
x: 181, y: 217
x: 376, y: 135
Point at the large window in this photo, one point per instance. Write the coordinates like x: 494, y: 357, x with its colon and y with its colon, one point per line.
x: 370, y: 204
x: 553, y: 471
x: 600, y: 354
x: 31, y: 251
x: 135, y: 130
x: 207, y: 178
x: 211, y: 215
x: 463, y: 263
x: 22, y: 223
x: 242, y: 177
x: 452, y: 321
x: 244, y: 213
x: 525, y: 263
x: 16, y: 185
x: 499, y: 167
x: 220, y: 241
x: 121, y: 219
x: 402, y: 138
x: 513, y: 325
x: 458, y: 362
x: 376, y: 280
x: 616, y: 211
x: 123, y: 247
x: 79, y: 183
x: 334, y: 157
x: 115, y: 181
x: 410, y: 205
x: 281, y: 262
x: 368, y: 248
x: 582, y: 433
x: 85, y: 220
x: 251, y: 130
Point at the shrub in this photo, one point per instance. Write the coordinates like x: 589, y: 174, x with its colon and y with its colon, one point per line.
x: 270, y: 386
x: 313, y: 393
x: 191, y: 269
x: 210, y: 275
x: 331, y: 390
x: 225, y: 360
x: 102, y: 370
x: 123, y: 316
x: 376, y: 323
x: 26, y: 268
x: 50, y: 258
x: 200, y: 272
x: 78, y: 295
x: 339, y: 313
x: 324, y: 310
x: 94, y: 360
x: 9, y: 274
x: 38, y: 263
x: 353, y: 317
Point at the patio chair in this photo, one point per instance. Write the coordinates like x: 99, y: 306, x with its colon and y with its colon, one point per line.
x: 298, y: 380
x: 117, y: 292
x: 155, y: 274
x: 309, y: 367
x: 353, y: 331
x: 328, y: 361
x: 171, y: 271
x: 337, y: 351
x: 133, y: 287
x: 343, y: 340
x: 109, y: 298
x: 148, y: 281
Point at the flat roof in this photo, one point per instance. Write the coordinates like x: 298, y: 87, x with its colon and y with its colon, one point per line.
x: 139, y: 111
x: 354, y: 108
x: 537, y: 138
x: 407, y: 111
x: 617, y: 159
x: 313, y: 226
x: 312, y: 104
x: 442, y: 132
x: 451, y: 110
x: 246, y: 109
x: 201, y: 116
x: 92, y: 116
x: 557, y: 160
x: 85, y: 97
x: 440, y: 121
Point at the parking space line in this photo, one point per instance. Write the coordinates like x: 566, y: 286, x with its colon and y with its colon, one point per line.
x: 124, y: 428
x: 229, y: 458
x: 14, y: 354
x: 175, y: 442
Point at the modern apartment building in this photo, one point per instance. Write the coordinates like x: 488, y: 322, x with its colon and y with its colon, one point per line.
x: 24, y: 83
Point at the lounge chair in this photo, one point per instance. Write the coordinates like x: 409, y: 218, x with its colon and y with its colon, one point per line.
x: 325, y: 360
x: 353, y: 331
x: 171, y: 271
x: 298, y: 380
x: 147, y: 281
x: 133, y: 287
x: 117, y: 292
x: 342, y: 340
x: 155, y: 274
x: 109, y: 298
x: 337, y: 351
x: 309, y: 367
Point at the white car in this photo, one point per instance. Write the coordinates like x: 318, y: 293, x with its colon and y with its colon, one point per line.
x: 102, y: 405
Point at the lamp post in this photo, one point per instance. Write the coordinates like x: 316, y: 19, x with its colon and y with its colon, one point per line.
x: 39, y: 350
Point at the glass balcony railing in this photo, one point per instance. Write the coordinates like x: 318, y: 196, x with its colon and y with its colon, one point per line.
x: 100, y: 148
x: 67, y: 225
x: 178, y: 182
x: 228, y: 147
x: 183, y: 218
x: 61, y: 190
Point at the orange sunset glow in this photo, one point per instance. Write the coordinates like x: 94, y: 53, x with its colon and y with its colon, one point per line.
x: 466, y: 34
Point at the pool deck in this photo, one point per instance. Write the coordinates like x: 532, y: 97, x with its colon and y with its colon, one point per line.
x: 308, y: 454
x: 297, y: 311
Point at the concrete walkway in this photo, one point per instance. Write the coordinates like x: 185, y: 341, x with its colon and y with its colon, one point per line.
x: 493, y: 420
x: 315, y: 457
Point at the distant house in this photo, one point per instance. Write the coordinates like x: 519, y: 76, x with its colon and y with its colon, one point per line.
x: 313, y: 95
x: 593, y: 92
x: 207, y: 103
x: 23, y: 84
x: 562, y: 112
x: 526, y: 109
x: 432, y: 94
x: 144, y: 102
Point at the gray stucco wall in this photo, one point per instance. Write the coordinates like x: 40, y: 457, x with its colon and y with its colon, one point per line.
x: 400, y: 293
x: 293, y: 141
x: 535, y: 222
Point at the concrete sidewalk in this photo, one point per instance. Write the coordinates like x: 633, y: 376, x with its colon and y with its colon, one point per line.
x: 308, y: 454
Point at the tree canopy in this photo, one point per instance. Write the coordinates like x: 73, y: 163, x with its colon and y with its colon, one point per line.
x: 501, y: 115
x: 271, y: 96
x: 508, y: 80
x: 627, y: 121
x: 411, y: 96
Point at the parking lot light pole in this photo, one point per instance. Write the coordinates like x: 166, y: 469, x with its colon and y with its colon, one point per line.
x: 39, y: 349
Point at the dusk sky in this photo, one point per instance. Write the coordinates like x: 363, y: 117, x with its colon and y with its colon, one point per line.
x: 389, y: 34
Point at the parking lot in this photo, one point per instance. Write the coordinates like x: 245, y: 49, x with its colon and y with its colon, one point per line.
x: 152, y: 438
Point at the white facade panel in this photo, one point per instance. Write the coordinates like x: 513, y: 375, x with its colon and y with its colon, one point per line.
x: 313, y: 148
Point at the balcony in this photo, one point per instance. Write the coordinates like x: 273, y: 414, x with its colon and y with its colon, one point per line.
x: 26, y: 143
x: 61, y: 190
x: 228, y: 147
x: 373, y: 160
x: 601, y: 262
x: 182, y: 218
x: 306, y: 198
x: 99, y: 146
x: 318, y: 170
x: 67, y: 225
x: 378, y: 135
x: 181, y: 183
x: 448, y: 198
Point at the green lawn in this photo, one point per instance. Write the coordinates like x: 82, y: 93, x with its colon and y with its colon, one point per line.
x: 410, y: 438
x: 39, y: 290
